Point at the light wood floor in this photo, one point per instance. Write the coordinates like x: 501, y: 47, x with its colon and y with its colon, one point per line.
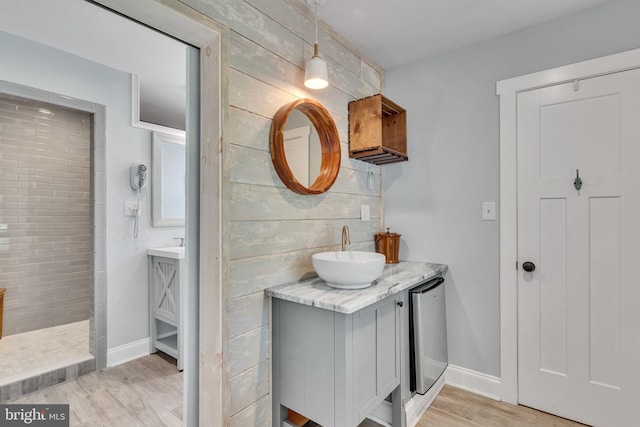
x: 459, y: 408
x: 148, y: 392
x: 140, y: 393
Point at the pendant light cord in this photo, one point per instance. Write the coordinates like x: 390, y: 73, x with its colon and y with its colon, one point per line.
x: 316, y: 14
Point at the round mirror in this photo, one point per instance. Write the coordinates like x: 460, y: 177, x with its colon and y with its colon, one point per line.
x: 305, y: 147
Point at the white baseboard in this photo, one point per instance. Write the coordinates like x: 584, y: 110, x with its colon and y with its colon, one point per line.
x: 414, y: 408
x: 466, y: 379
x: 473, y: 381
x: 127, y: 352
x: 418, y: 405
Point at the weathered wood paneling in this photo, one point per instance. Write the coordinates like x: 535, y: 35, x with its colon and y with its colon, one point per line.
x: 248, y: 350
x: 253, y: 24
x: 252, y: 59
x: 256, y: 203
x: 371, y: 75
x: 300, y: 22
x: 250, y: 166
x: 249, y: 386
x: 250, y: 94
x: 257, y: 414
x: 268, y: 232
x: 247, y: 313
x: 248, y: 129
x: 255, y: 238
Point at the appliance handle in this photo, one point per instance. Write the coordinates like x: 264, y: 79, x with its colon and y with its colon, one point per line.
x: 427, y: 286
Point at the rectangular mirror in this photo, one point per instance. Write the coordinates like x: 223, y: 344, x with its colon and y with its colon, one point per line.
x: 168, y: 180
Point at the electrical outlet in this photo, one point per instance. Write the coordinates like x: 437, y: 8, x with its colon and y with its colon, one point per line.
x: 365, y: 215
x: 488, y: 211
x: 130, y: 207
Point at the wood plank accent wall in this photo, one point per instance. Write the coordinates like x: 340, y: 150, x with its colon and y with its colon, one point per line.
x: 269, y: 233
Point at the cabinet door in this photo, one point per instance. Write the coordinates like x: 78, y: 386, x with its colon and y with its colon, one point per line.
x: 165, y: 289
x: 376, y: 354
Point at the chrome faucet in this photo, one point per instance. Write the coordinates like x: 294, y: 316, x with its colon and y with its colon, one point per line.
x: 345, y: 238
x: 181, y: 241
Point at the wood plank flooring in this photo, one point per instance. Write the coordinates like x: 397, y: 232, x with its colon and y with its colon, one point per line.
x: 458, y: 408
x: 143, y: 392
x: 148, y: 392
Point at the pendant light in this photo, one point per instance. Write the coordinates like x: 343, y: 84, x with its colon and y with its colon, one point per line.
x: 315, y: 76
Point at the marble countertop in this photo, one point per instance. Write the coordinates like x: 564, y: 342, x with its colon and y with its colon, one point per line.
x: 395, y: 278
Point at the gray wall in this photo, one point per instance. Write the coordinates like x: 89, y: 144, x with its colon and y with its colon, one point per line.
x: 434, y: 200
x: 38, y: 66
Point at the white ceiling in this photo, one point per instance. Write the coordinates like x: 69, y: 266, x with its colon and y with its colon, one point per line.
x: 399, y: 32
x: 390, y: 32
x: 91, y: 32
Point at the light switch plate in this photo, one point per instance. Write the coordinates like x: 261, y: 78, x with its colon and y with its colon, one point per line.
x: 488, y: 211
x: 365, y: 214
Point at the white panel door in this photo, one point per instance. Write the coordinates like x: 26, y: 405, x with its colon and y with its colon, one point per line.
x: 579, y: 310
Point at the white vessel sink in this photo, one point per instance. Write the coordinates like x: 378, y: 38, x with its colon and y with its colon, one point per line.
x: 348, y: 269
x: 176, y: 252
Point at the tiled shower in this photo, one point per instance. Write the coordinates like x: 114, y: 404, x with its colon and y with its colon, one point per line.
x: 45, y: 211
x: 45, y: 234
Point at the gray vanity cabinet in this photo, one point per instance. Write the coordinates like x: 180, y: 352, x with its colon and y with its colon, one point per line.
x: 335, y: 368
x: 166, y: 280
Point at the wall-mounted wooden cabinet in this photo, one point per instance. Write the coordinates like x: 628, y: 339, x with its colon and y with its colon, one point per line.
x: 377, y: 130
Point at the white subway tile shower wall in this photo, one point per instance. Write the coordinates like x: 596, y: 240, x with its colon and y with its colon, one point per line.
x: 45, y: 234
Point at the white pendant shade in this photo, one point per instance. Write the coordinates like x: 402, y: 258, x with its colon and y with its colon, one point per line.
x: 315, y: 76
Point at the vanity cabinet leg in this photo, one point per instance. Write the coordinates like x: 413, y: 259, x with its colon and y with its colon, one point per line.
x: 280, y: 416
x: 398, y: 413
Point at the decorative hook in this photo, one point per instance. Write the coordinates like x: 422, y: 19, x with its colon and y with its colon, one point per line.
x: 577, y: 183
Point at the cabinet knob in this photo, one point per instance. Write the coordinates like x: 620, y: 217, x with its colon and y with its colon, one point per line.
x: 528, y: 266
x: 400, y: 304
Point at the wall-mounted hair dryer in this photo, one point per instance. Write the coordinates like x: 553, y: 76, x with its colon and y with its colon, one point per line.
x: 138, y: 176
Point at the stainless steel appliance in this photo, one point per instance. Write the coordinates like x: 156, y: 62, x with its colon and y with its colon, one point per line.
x: 428, y: 334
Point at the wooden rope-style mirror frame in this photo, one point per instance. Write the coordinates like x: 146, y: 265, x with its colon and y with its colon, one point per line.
x: 329, y: 141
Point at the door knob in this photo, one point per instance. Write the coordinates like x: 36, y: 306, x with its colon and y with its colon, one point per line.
x: 528, y: 266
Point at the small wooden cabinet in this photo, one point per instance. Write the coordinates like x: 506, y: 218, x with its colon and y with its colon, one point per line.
x: 166, y: 278
x: 377, y: 130
x: 335, y: 368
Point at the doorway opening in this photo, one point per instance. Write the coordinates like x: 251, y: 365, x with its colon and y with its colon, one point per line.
x: 203, y: 376
x: 54, y: 326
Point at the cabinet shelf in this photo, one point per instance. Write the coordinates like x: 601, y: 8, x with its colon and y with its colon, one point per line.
x: 168, y: 345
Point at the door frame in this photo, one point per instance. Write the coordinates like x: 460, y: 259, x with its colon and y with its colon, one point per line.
x: 192, y: 27
x: 508, y: 91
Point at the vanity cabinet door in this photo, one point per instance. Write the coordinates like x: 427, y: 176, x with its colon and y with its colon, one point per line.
x: 164, y: 292
x: 376, y: 354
